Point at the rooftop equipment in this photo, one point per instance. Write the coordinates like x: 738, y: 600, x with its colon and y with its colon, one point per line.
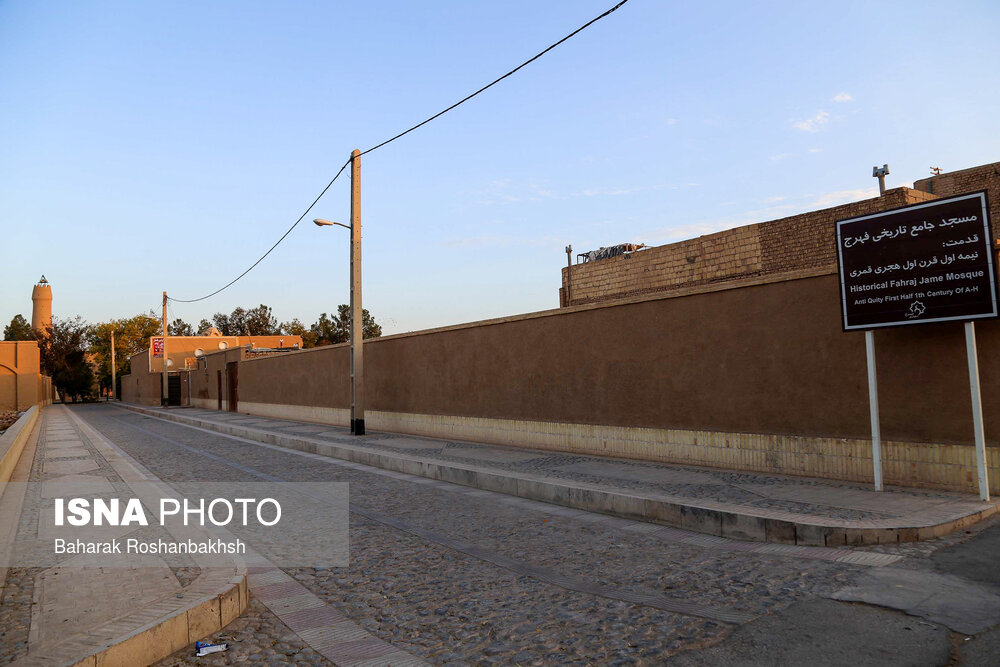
x: 607, y: 253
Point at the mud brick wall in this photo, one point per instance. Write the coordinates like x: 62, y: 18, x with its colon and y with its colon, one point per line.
x: 769, y: 249
x: 986, y: 177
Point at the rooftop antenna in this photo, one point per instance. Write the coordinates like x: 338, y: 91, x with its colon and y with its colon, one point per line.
x: 936, y: 171
x: 880, y: 173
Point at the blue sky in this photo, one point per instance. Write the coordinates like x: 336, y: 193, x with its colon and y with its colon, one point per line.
x: 165, y: 146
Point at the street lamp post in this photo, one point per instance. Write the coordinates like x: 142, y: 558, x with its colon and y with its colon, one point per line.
x: 357, y: 327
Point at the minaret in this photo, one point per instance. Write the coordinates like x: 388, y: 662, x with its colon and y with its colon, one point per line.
x: 41, y: 305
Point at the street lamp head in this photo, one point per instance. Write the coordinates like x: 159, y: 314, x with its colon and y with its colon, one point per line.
x: 320, y: 222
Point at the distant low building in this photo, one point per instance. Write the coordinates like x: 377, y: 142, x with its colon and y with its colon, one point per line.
x: 21, y: 382
x: 184, y: 351
x: 144, y: 384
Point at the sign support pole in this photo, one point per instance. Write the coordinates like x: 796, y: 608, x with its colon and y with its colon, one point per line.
x: 873, y: 409
x: 977, y: 410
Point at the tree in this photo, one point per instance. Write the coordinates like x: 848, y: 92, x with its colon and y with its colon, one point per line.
x: 180, y: 328
x: 204, y: 326
x: 221, y: 321
x: 131, y: 337
x: 296, y: 328
x: 18, y: 329
x: 74, y: 379
x: 260, y: 322
x: 63, y: 350
x: 247, y: 322
x: 332, y: 330
x: 233, y: 324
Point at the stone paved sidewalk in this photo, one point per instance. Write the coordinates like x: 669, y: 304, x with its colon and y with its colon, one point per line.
x: 57, y: 609
x: 742, y: 505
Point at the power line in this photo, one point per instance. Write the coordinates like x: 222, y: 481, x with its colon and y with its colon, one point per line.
x: 402, y: 134
x: 496, y: 81
x: 301, y: 217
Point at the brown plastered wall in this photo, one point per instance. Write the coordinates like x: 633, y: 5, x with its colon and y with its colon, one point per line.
x: 140, y: 386
x: 318, y: 377
x: 20, y: 375
x: 205, y: 383
x: 768, y: 359
x: 797, y: 243
x: 986, y: 177
x: 45, y: 391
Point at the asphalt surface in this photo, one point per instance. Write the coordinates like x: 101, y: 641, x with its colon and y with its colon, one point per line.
x: 978, y: 559
x: 460, y: 579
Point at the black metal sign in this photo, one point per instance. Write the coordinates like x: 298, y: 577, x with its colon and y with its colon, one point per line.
x: 930, y: 262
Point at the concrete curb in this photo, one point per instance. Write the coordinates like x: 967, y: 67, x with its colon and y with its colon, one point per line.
x: 720, y: 520
x: 12, y: 442
x: 170, y: 631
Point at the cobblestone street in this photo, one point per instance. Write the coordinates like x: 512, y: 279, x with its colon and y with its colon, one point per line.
x: 451, y: 575
x: 446, y: 574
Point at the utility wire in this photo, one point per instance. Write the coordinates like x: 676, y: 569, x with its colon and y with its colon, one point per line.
x: 301, y: 217
x: 496, y: 81
x: 402, y: 134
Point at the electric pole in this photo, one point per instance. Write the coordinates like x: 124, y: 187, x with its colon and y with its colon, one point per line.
x: 165, y: 389
x: 357, y: 332
x: 113, y: 396
x: 357, y: 326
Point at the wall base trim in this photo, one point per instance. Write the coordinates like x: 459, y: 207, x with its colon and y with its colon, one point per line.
x: 939, y: 466
x: 306, y: 413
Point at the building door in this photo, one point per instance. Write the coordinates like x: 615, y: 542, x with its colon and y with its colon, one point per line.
x: 219, y: 394
x: 174, y: 390
x: 232, y: 372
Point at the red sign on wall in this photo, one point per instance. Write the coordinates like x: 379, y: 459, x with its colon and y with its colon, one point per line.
x: 158, y: 347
